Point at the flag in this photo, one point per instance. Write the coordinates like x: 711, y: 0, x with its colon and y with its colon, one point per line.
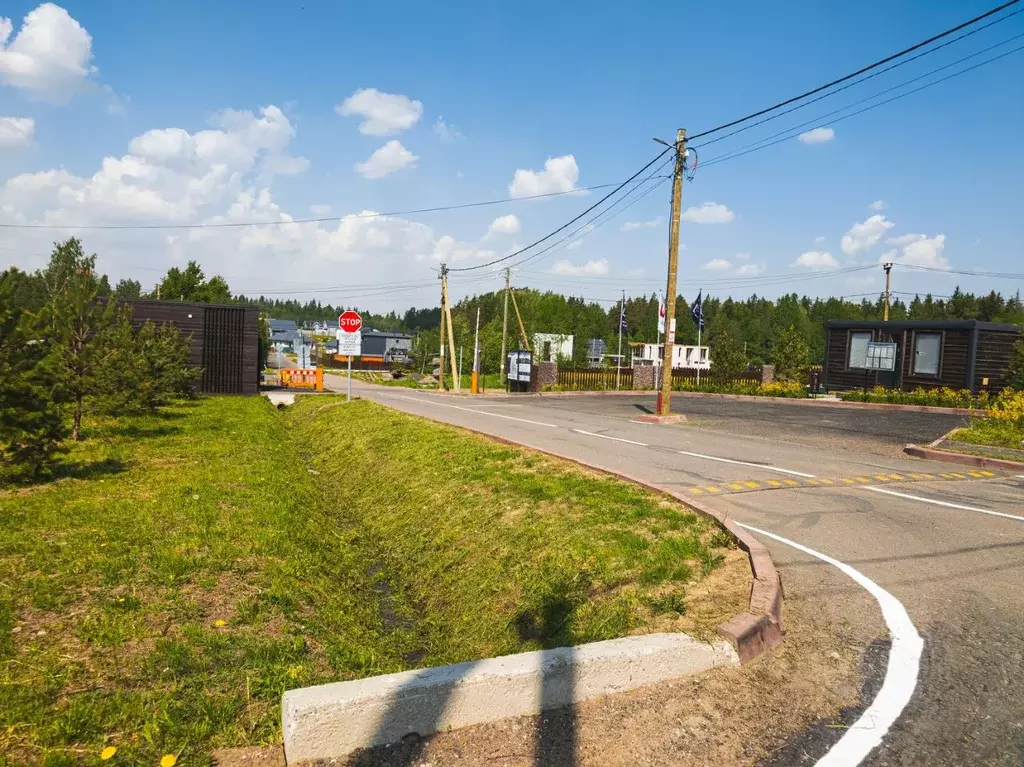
x: 697, y: 312
x: 623, y: 328
x: 661, y: 316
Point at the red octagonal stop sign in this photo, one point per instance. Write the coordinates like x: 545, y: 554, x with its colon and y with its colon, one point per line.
x: 350, y: 322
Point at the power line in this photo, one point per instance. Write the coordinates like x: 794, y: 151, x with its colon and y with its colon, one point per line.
x: 859, y: 72
x: 966, y: 272
x: 794, y: 130
x: 872, y: 76
x: 568, y: 223
x: 320, y: 220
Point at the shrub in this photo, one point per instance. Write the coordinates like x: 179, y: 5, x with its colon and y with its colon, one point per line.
x: 942, y: 397
x: 1009, y: 408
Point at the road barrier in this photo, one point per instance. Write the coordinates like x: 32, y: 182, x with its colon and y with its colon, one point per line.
x: 303, y: 378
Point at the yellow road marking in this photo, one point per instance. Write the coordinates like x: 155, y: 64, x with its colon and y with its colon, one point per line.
x: 791, y: 482
x: 959, y: 476
x: 752, y: 484
x: 986, y: 473
x: 827, y: 482
x: 713, y: 489
x: 696, y: 491
x: 864, y: 480
x: 881, y: 477
x: 976, y: 474
x: 895, y: 476
x: 736, y: 486
x: 774, y: 483
x: 847, y: 481
x: 811, y: 481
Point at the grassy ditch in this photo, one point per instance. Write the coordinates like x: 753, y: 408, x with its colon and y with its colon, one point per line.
x: 187, y: 568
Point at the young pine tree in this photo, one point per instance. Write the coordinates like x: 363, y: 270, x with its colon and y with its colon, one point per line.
x: 790, y: 355
x: 727, y: 357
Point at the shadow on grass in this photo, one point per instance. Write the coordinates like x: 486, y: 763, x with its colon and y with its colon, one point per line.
x: 135, y: 431
x: 550, y: 626
x: 88, y: 469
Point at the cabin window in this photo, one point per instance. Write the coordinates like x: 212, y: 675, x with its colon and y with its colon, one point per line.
x: 926, y: 353
x: 859, y: 349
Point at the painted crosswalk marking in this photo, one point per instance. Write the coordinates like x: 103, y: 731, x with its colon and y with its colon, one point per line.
x: 751, y: 485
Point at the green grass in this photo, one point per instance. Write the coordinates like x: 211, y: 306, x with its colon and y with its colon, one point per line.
x: 190, y: 567
x: 991, y: 432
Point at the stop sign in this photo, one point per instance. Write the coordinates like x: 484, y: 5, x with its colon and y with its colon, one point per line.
x: 350, y: 322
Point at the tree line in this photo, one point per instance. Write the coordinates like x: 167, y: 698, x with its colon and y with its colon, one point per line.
x: 68, y: 351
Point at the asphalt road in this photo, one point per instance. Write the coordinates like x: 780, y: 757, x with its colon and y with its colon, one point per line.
x: 796, y: 471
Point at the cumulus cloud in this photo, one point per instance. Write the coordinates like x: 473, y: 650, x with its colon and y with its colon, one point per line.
x: 16, y: 131
x: 560, y: 174
x: 865, y: 235
x: 877, y: 205
x: 386, y: 160
x: 743, y: 269
x: 383, y: 114
x: 597, y: 268
x: 49, y: 57
x: 749, y: 270
x: 709, y: 213
x: 447, y: 132
x: 631, y: 226
x: 917, y: 250
x: 817, y: 136
x: 717, y: 265
x: 816, y: 259
x: 502, y: 225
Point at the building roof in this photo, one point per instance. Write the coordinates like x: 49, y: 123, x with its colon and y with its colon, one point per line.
x: 923, y: 325
x: 283, y: 325
x: 386, y: 334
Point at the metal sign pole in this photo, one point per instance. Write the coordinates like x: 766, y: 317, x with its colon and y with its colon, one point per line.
x: 349, y: 378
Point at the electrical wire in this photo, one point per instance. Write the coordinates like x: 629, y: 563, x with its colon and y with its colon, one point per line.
x: 568, y: 223
x: 966, y: 272
x: 795, y: 130
x: 859, y: 72
x: 871, y: 77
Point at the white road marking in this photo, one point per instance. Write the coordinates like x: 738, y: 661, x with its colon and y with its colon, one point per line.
x: 479, y: 412
x: 943, y: 503
x: 900, y: 674
x: 605, y: 436
x: 744, y: 463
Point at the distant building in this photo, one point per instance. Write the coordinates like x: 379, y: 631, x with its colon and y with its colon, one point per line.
x: 283, y: 334
x: 382, y: 347
x: 683, y: 356
x: 596, y: 349
x: 548, y: 347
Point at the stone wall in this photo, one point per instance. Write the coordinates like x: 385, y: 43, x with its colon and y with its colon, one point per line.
x: 544, y: 374
x: 643, y: 377
x: 767, y: 374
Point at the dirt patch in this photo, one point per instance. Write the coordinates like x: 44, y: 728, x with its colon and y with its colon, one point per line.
x: 731, y: 716
x: 270, y: 756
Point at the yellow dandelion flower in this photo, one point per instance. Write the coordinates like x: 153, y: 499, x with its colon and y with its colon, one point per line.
x: 168, y: 760
x: 218, y: 623
x: 108, y: 753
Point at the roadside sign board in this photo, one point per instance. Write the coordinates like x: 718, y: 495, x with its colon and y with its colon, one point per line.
x: 350, y: 344
x: 350, y: 322
x: 880, y: 356
x: 519, y: 366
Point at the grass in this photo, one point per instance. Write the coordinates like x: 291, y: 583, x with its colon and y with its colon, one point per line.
x: 991, y: 432
x: 189, y: 567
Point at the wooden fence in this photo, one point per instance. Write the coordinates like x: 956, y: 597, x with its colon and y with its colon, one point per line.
x: 687, y: 378
x: 594, y: 379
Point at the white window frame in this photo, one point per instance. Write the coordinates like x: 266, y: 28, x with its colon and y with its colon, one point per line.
x: 849, y: 349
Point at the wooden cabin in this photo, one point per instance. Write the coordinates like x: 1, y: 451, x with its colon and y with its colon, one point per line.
x: 960, y: 354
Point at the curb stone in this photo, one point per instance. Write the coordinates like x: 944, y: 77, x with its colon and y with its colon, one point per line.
x: 979, y: 461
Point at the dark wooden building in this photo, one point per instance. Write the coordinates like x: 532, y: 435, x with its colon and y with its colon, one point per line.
x: 960, y: 354
x: 225, y: 340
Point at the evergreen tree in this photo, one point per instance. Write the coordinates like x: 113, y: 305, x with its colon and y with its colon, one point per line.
x: 128, y: 289
x: 1015, y: 371
x: 727, y: 357
x: 790, y: 355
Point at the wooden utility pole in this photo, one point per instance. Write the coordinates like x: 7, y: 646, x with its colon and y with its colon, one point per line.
x: 474, y: 382
x: 888, y: 272
x: 504, y: 326
x: 440, y: 332
x: 446, y: 310
x: 665, y: 395
x: 522, y: 330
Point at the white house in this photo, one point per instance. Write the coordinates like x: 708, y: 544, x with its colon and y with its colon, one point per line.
x: 694, y: 357
x: 548, y: 347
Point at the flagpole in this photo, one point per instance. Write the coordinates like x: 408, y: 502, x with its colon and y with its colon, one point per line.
x: 618, y: 359
x: 699, y: 324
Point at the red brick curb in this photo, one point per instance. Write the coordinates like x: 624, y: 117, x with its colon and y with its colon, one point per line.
x: 978, y: 461
x: 677, y: 418
x: 751, y: 632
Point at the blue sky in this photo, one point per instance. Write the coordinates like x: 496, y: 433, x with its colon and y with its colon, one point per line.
x: 152, y: 113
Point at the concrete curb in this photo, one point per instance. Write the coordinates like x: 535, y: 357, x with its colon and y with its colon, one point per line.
x: 333, y: 720
x: 978, y: 461
x: 661, y: 419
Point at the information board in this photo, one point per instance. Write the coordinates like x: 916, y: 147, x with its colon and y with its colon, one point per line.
x: 880, y: 356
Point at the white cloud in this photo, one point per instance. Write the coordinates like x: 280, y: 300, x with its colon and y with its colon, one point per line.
x: 502, y: 225
x: 16, y: 131
x: 49, y: 57
x: 817, y: 136
x: 749, y: 270
x: 574, y: 245
x: 320, y: 209
x: 286, y: 166
x: 383, y: 113
x: 741, y: 270
x: 590, y: 269
x: 386, y: 160
x: 717, y: 265
x: 631, y: 226
x: 816, y: 259
x: 865, y: 235
x: 446, y: 131
x: 709, y: 213
x: 917, y: 250
x: 742, y: 256
x: 877, y: 205
x: 819, y: 240
x: 560, y: 174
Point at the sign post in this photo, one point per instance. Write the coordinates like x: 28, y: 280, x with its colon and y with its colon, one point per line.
x: 350, y: 340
